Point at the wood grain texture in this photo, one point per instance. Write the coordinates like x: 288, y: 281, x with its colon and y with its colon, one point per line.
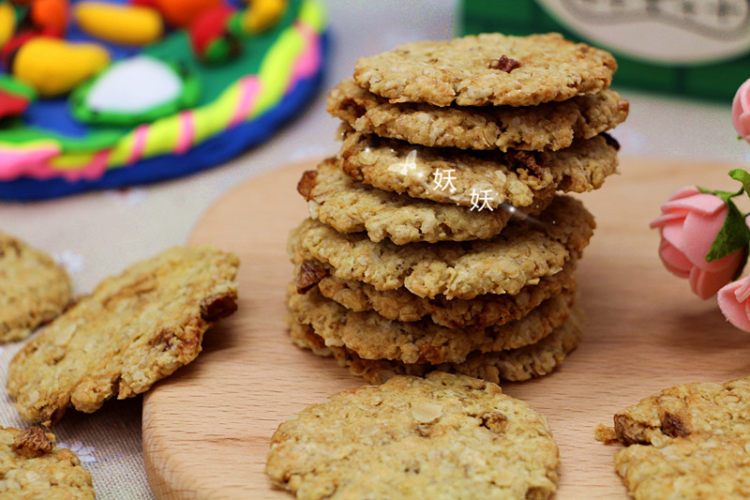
x: 206, y: 430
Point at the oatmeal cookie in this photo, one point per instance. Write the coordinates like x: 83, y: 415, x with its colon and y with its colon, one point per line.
x: 32, y: 467
x: 487, y: 69
x: 550, y: 126
x: 439, y: 437
x: 517, y: 365
x: 348, y: 206
x: 521, y: 255
x: 33, y: 289
x: 480, y: 312
x: 373, y: 337
x: 480, y: 180
x: 133, y: 330
x: 690, y: 441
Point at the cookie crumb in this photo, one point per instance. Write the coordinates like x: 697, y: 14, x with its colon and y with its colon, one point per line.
x: 605, y: 434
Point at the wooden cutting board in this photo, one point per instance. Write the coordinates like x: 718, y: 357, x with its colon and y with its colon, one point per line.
x: 206, y: 430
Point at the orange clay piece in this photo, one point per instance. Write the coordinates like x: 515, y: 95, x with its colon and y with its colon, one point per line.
x: 51, y: 16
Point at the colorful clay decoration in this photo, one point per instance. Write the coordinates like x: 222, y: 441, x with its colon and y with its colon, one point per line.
x: 7, y: 22
x: 54, y: 67
x: 111, y: 112
x: 50, y: 17
x: 210, y: 37
x: 123, y: 24
x: 15, y: 97
x: 261, y: 15
x: 136, y: 90
x: 182, y: 13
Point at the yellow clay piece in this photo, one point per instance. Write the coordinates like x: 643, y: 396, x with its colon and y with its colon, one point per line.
x: 117, y: 23
x: 7, y: 22
x: 54, y: 67
x: 262, y: 14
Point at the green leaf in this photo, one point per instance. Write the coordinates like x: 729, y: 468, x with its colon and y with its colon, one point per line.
x: 724, y: 195
x: 734, y: 235
x: 742, y: 176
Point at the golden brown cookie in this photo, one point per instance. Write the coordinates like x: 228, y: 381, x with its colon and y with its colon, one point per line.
x: 348, y: 206
x: 521, y: 255
x: 32, y: 467
x: 517, y: 365
x: 690, y: 441
x: 480, y: 180
x: 550, y: 126
x: 133, y: 330
x: 373, y: 337
x: 488, y: 69
x: 443, y: 436
x: 33, y: 289
x: 479, y: 312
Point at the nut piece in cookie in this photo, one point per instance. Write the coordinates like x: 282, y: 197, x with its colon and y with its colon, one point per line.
x: 689, y: 441
x: 32, y: 467
x: 443, y: 436
x: 34, y: 290
x: 133, y: 330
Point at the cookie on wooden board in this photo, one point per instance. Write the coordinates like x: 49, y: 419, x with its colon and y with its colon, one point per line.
x: 442, y: 436
x: 32, y: 467
x: 133, y: 330
x: 689, y: 441
x: 373, y: 337
x: 549, y: 126
x: 348, y: 206
x: 481, y: 180
x: 33, y: 288
x: 521, y: 255
x: 516, y: 365
x: 487, y: 69
x: 479, y: 312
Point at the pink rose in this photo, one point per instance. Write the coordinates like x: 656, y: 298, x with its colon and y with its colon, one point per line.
x: 734, y: 303
x: 741, y: 110
x: 689, y: 224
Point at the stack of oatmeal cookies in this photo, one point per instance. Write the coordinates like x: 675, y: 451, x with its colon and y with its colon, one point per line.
x: 436, y: 236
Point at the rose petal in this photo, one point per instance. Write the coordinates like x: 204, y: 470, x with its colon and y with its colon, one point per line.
x: 740, y: 107
x: 705, y: 284
x: 735, y: 311
x: 703, y: 203
x: 665, y: 219
x: 698, y: 234
x: 684, y: 192
x: 674, y: 260
x: 744, y: 125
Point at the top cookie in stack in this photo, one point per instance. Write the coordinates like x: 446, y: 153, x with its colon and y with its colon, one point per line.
x: 436, y: 235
